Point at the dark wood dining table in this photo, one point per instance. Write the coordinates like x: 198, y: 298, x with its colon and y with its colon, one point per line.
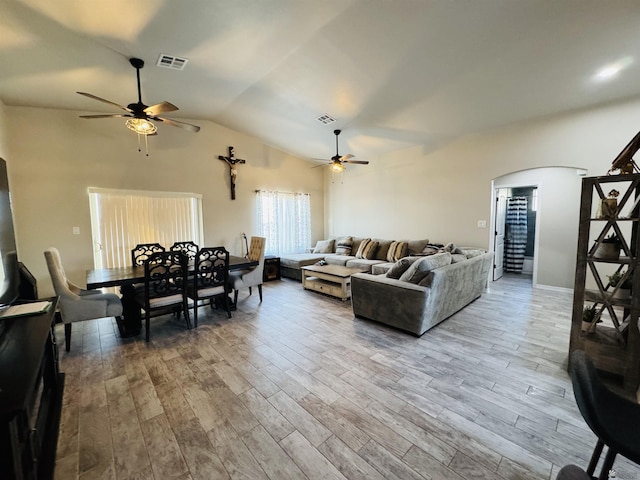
x: 126, y: 277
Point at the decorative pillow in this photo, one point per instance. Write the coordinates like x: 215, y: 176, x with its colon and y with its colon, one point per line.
x: 401, y: 266
x: 383, y: 249
x: 324, y: 246
x: 419, y: 270
x: 397, y: 250
x: 367, y: 249
x: 343, y: 246
x: 416, y: 246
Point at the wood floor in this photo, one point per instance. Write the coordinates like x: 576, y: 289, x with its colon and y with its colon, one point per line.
x: 296, y: 387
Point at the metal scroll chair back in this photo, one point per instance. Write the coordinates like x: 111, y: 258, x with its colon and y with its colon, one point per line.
x: 165, y: 283
x: 611, y: 417
x: 211, y: 278
x: 189, y: 248
x: 143, y: 251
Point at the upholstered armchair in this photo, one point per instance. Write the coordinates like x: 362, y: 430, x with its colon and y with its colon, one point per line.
x: 252, y: 277
x: 77, y: 304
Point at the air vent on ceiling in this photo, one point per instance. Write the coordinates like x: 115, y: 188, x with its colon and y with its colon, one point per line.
x: 326, y: 119
x: 172, y: 62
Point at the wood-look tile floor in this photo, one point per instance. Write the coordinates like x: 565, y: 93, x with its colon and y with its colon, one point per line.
x: 296, y: 387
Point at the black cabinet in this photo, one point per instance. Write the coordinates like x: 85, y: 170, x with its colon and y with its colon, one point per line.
x: 271, y: 269
x: 31, y: 388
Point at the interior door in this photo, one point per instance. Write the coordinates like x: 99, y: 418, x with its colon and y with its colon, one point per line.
x: 499, y: 231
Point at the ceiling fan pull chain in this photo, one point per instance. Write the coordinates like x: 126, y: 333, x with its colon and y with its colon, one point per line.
x: 139, y: 149
x: 146, y: 144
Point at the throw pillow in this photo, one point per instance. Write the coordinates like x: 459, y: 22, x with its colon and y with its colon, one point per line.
x: 397, y: 250
x: 401, y: 266
x: 419, y: 270
x: 458, y: 257
x: 344, y: 245
x: 324, y: 246
x: 367, y: 249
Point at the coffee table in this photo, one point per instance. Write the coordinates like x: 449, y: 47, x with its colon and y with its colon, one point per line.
x: 334, y: 280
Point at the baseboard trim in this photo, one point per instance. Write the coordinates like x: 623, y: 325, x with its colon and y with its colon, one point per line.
x: 553, y: 288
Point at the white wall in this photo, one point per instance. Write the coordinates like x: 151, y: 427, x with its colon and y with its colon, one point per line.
x: 56, y: 156
x: 441, y: 194
x: 3, y: 141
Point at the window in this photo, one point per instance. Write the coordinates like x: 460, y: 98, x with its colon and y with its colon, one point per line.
x: 121, y: 219
x: 285, y: 220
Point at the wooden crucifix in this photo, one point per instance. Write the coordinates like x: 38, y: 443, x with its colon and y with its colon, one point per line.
x: 233, y: 173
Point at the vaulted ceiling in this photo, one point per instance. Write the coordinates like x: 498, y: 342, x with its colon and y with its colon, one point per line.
x: 393, y: 73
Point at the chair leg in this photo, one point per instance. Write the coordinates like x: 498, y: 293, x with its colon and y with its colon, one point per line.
x: 226, y: 304
x: 595, y: 456
x: 195, y: 312
x: 250, y: 292
x: 185, y: 307
x: 260, y: 292
x: 609, y: 458
x: 67, y: 336
x: 147, y: 322
x: 235, y: 297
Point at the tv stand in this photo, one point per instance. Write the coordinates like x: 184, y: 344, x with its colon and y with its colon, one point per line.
x: 31, y: 388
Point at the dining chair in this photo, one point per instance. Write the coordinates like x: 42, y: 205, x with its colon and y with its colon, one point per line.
x: 614, y: 419
x: 165, y: 287
x: 143, y: 251
x: 251, y: 277
x: 210, y: 279
x: 189, y: 248
x: 77, y: 304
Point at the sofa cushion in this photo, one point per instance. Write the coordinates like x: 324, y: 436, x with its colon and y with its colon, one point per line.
x: 363, y: 263
x: 397, y: 250
x: 344, y: 246
x: 383, y: 248
x: 458, y: 257
x: 433, y: 248
x: 324, y: 246
x: 382, y: 268
x: 297, y: 260
x: 401, y: 266
x: 367, y: 249
x: 420, y: 269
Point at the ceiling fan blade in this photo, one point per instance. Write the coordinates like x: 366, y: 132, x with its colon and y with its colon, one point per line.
x: 360, y: 162
x: 113, y: 115
x: 175, y: 123
x: 346, y: 157
x: 158, y: 108
x: 103, y: 101
x: 321, y: 165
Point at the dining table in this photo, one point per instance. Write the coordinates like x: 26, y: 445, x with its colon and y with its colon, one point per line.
x: 126, y: 277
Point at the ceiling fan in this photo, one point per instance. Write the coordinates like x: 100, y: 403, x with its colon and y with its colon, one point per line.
x: 140, y: 115
x: 337, y: 162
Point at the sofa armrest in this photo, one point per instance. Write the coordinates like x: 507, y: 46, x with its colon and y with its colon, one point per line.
x: 390, y: 301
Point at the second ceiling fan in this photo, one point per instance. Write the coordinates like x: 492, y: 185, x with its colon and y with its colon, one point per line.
x: 337, y: 162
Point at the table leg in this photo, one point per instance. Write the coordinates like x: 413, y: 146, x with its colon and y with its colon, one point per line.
x: 131, y: 323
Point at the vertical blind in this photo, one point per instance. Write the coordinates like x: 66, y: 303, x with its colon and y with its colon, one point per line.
x: 285, y: 220
x: 121, y: 219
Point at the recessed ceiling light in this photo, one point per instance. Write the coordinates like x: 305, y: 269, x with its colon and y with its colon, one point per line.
x: 613, y: 69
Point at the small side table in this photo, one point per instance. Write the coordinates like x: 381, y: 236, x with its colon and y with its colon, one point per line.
x: 271, y: 268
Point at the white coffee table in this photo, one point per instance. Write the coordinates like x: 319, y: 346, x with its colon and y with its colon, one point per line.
x: 334, y: 280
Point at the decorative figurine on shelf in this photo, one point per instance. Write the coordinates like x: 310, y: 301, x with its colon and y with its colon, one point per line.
x: 233, y: 172
x: 608, y: 206
x: 624, y: 162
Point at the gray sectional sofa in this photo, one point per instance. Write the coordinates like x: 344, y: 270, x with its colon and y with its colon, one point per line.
x: 416, y: 307
x: 412, y: 288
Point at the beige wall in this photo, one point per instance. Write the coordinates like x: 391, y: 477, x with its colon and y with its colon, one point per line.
x: 54, y: 157
x: 441, y: 194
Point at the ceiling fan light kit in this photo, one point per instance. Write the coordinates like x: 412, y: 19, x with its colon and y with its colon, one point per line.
x: 140, y: 115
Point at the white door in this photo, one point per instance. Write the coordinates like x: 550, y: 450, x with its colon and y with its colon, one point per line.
x: 499, y: 229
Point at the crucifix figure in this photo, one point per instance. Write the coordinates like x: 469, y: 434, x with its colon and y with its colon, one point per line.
x: 233, y: 173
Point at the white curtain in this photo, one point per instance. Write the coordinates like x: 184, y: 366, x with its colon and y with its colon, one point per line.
x: 121, y: 219
x: 285, y: 220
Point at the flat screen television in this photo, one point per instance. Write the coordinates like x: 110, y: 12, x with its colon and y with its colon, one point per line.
x: 9, y: 271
